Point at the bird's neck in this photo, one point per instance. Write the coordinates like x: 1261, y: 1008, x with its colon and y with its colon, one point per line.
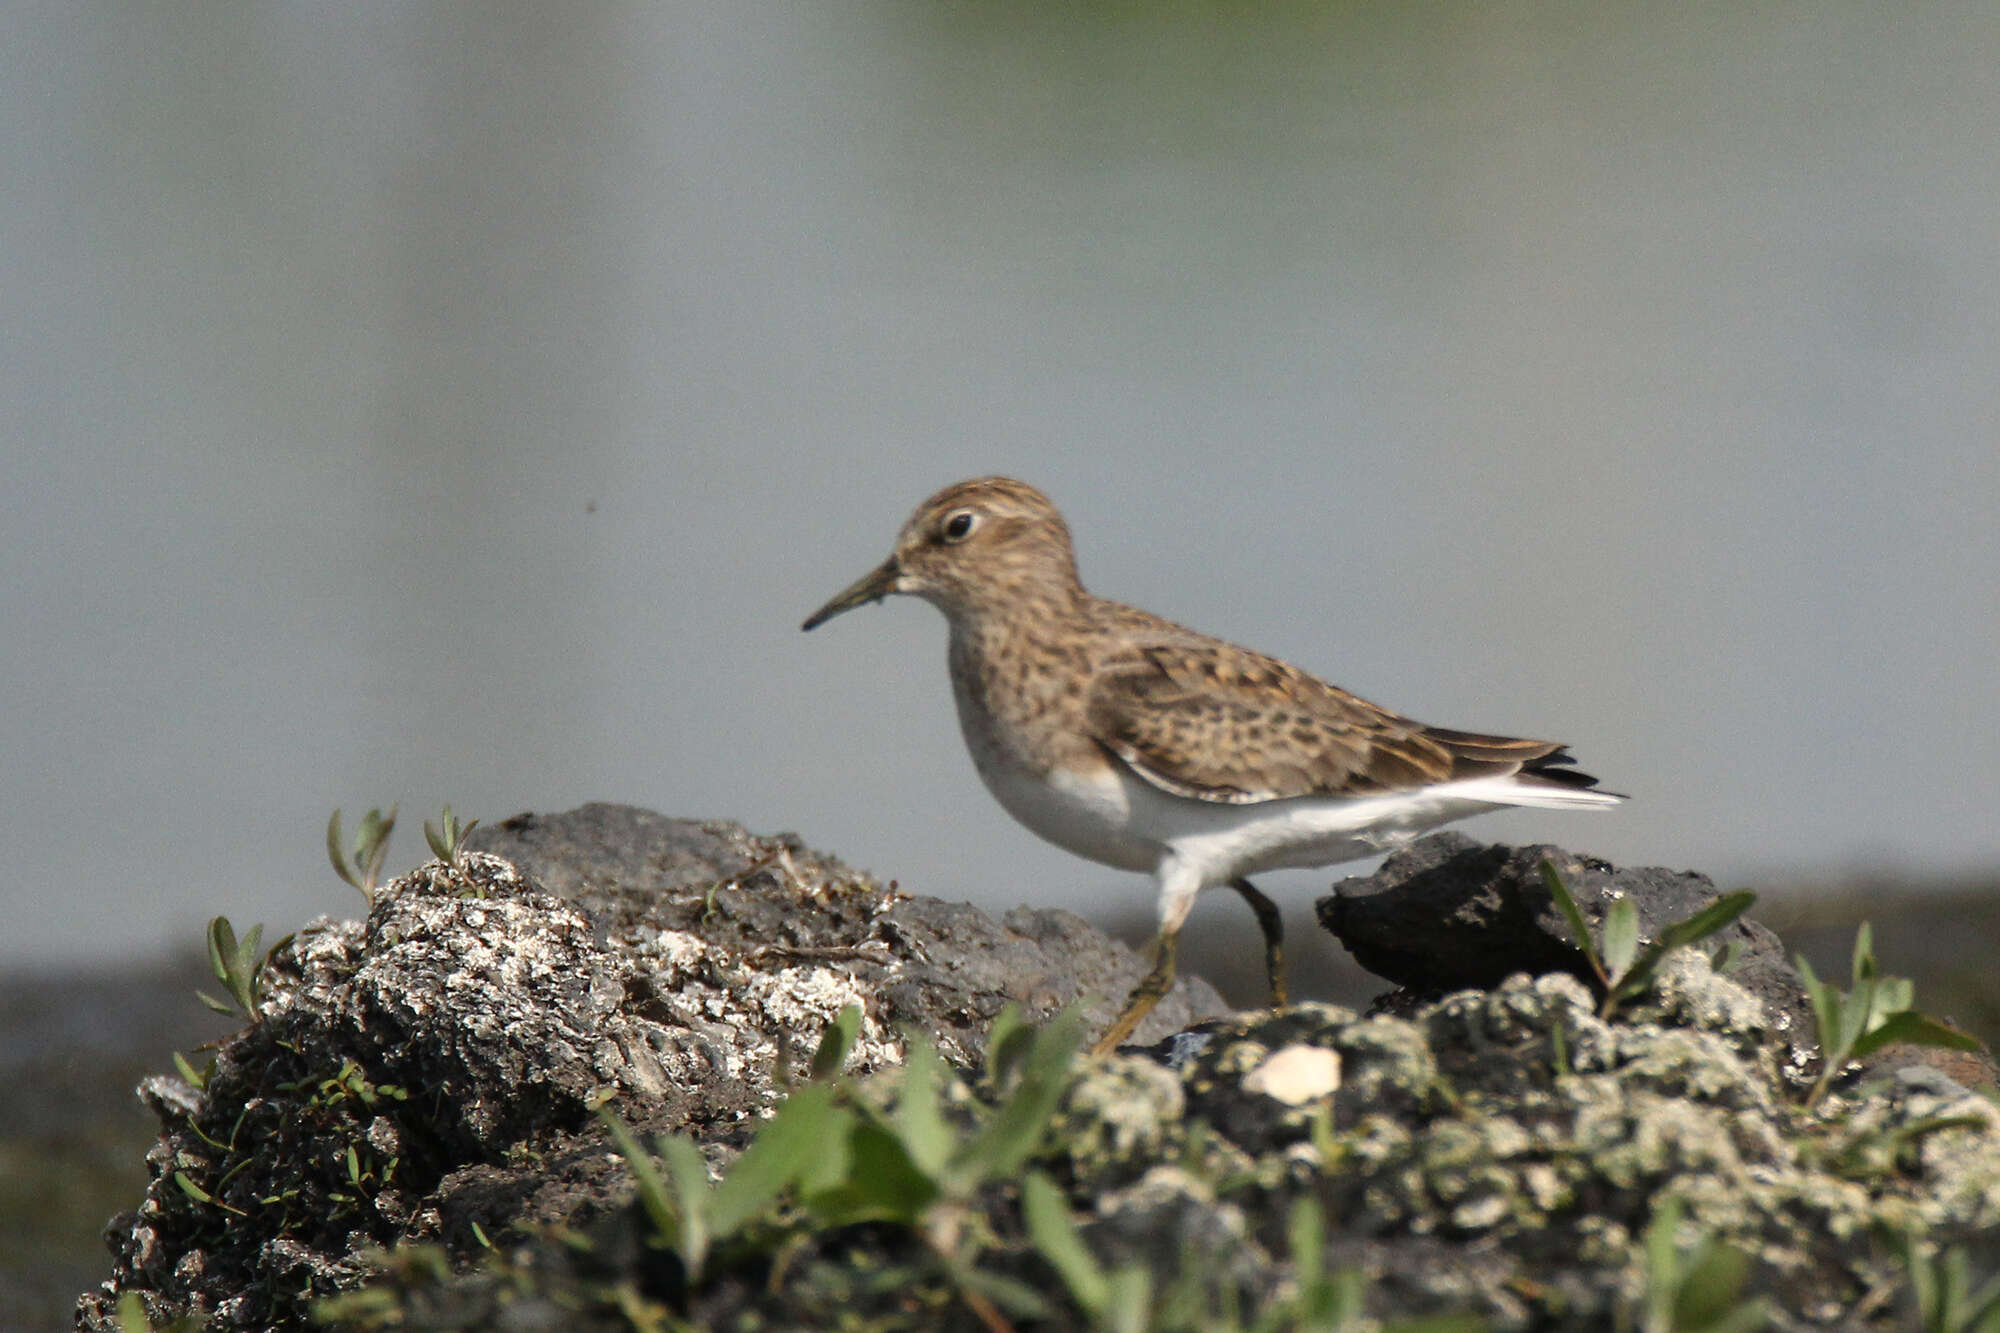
x: 1020, y: 659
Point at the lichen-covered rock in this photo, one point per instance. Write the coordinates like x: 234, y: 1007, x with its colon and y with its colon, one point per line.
x: 428, y: 1073
x: 1448, y: 913
x: 1516, y: 1124
x: 421, y: 1083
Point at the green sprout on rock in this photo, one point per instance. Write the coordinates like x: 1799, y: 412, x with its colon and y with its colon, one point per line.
x: 1623, y: 969
x: 845, y: 1161
x: 1875, y: 1012
x: 447, y: 837
x: 239, y: 967
x: 1694, y: 1288
x: 370, y: 849
x: 1946, y: 1300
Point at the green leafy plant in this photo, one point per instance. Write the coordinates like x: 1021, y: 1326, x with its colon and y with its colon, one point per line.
x: 689, y: 1215
x: 1873, y: 1013
x: 1623, y: 968
x: 846, y: 1160
x: 1117, y: 1301
x: 1947, y: 1302
x: 836, y: 1043
x: 1122, y: 1300
x: 239, y: 966
x: 362, y: 865
x: 1695, y: 1288
x: 446, y: 837
x: 195, y: 1078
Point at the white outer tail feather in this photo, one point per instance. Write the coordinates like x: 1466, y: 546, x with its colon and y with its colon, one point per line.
x: 1510, y: 790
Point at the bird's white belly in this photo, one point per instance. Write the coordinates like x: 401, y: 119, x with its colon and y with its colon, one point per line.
x: 1109, y: 814
x: 1087, y: 813
x: 1224, y: 841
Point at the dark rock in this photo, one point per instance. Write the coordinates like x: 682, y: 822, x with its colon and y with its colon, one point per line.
x: 1447, y: 913
x: 409, y: 1122
x: 428, y: 1074
x: 701, y: 896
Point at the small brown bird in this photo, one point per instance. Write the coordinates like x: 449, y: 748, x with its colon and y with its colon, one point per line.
x: 1141, y: 744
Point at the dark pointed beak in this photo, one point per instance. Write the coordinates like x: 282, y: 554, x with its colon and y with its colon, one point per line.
x: 873, y: 586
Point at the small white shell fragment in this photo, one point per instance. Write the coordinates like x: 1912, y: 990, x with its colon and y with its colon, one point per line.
x: 1296, y: 1075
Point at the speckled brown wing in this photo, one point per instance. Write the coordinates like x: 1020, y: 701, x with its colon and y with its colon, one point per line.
x: 1220, y: 723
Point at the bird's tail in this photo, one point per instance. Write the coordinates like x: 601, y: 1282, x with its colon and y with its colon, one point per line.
x: 1506, y: 771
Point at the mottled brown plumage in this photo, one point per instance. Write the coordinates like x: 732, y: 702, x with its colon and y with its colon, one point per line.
x: 1131, y: 739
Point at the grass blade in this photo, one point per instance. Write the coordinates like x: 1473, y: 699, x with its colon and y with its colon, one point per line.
x: 1054, y: 1233
x: 1015, y: 1131
x: 653, y: 1195
x: 919, y: 1122
x: 834, y: 1044
x: 774, y: 1159
x: 1579, y: 930
x: 1915, y: 1028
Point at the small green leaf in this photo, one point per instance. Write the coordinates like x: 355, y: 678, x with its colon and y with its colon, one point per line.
x: 1579, y: 930
x: 1131, y: 1299
x: 243, y: 969
x: 827, y: 1169
x: 1854, y: 1015
x: 221, y: 947
x: 1915, y: 1028
x: 1712, y: 1286
x: 1621, y: 939
x: 132, y: 1314
x: 1007, y: 1041
x: 192, y: 1190
x: 880, y: 1183
x: 1014, y: 1132
x: 336, y: 853
x: 371, y: 848
x: 835, y: 1043
x: 215, y: 1004
x: 653, y: 1195
x: 353, y: 1165
x: 919, y: 1122
x: 689, y: 1174
x: 198, y: 1079
x: 1680, y: 934
x: 1013, y: 1295
x: 1054, y: 1234
x: 1826, y: 1003
x: 1892, y: 996
x: 774, y: 1159
x: 1715, y: 917
x: 1863, y: 966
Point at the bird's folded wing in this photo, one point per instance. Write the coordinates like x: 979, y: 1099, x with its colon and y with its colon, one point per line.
x: 1224, y: 724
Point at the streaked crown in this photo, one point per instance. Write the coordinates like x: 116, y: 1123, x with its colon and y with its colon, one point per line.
x: 991, y: 538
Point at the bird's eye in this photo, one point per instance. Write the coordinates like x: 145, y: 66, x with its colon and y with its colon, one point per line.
x: 957, y: 525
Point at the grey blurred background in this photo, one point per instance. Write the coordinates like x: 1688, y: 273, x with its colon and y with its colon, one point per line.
x: 465, y: 402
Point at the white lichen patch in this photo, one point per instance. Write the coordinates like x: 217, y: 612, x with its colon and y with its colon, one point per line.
x: 804, y: 1000
x: 1296, y: 1075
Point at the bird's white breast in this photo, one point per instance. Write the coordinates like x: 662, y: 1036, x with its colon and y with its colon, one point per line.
x: 1084, y: 810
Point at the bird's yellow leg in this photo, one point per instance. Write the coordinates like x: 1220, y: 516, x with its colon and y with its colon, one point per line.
x: 1145, y: 995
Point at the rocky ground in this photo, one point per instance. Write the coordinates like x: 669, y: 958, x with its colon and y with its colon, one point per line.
x: 410, y: 1125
